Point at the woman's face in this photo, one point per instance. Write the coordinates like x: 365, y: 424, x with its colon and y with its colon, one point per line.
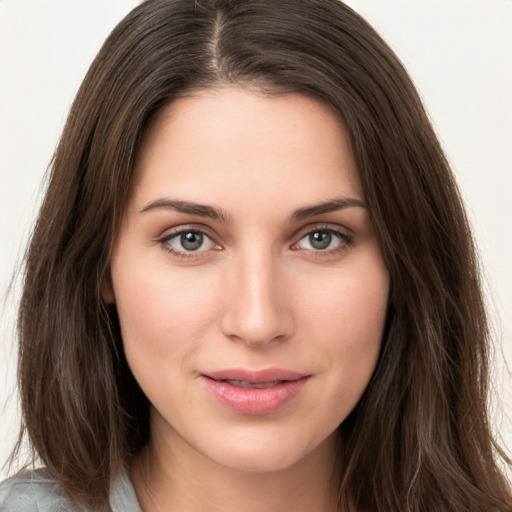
x: 250, y: 287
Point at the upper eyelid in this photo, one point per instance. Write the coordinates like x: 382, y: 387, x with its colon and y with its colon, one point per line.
x: 344, y: 237
x: 185, y: 228
x: 319, y: 226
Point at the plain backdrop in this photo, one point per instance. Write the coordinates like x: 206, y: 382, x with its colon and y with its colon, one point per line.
x: 459, y: 53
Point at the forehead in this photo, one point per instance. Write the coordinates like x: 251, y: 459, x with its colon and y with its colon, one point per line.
x: 213, y: 143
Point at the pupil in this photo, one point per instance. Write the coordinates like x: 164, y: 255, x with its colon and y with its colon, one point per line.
x: 191, y: 241
x: 320, y: 239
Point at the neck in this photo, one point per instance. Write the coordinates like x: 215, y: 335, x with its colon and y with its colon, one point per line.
x: 175, y: 477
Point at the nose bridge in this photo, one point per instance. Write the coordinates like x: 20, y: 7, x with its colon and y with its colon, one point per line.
x: 256, y: 312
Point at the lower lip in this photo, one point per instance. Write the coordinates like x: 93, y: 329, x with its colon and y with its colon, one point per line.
x: 252, y: 401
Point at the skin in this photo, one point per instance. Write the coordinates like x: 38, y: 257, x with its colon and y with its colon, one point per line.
x: 258, y: 293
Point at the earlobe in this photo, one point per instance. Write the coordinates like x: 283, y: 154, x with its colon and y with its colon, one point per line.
x: 107, y: 289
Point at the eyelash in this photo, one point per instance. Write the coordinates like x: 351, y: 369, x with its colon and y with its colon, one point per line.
x: 345, y: 240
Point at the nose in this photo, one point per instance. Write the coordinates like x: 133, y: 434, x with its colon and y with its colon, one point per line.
x: 256, y: 308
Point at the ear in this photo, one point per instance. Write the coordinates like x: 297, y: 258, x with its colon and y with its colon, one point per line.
x: 107, y: 289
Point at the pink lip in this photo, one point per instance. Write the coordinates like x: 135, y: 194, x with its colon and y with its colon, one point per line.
x: 279, y: 387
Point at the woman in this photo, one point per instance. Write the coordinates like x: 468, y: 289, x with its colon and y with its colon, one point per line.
x: 252, y: 281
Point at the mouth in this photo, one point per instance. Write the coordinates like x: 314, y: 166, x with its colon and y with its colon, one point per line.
x: 251, y: 392
x: 252, y: 385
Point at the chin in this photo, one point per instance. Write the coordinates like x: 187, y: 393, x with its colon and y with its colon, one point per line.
x: 273, y: 454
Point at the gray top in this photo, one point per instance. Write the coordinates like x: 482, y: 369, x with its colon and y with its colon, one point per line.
x: 35, y: 491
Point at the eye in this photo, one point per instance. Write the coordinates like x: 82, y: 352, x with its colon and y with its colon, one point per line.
x: 188, y: 241
x: 326, y: 240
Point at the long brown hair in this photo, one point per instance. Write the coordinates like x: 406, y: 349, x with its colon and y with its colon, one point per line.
x: 419, y: 439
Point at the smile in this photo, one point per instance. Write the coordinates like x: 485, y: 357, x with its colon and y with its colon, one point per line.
x: 254, y: 393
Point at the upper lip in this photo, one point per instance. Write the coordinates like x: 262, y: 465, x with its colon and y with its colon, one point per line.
x: 254, y: 376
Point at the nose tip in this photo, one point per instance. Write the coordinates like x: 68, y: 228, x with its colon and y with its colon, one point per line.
x: 252, y: 332
x: 257, y: 311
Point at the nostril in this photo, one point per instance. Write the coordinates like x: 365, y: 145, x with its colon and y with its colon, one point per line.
x: 269, y: 331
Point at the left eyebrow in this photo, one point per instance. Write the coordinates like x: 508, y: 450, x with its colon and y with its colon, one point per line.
x: 327, y: 207
x: 202, y: 210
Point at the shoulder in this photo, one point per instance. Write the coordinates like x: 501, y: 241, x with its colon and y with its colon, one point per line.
x: 32, y: 491
x: 36, y: 491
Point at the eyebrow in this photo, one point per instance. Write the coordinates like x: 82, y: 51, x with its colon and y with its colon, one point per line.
x: 327, y: 207
x: 188, y: 207
x: 211, y: 212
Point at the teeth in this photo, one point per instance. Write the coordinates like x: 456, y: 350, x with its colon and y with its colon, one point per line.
x: 253, y: 385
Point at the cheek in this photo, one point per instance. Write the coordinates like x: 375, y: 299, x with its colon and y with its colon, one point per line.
x: 163, y: 318
x: 162, y: 313
x: 347, y: 318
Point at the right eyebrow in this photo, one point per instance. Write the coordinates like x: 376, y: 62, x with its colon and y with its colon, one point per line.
x: 202, y: 210
x: 329, y: 206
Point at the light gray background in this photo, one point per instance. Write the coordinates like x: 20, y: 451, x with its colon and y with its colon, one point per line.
x: 459, y: 52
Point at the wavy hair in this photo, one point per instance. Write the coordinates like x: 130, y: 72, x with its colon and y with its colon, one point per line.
x: 419, y: 439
